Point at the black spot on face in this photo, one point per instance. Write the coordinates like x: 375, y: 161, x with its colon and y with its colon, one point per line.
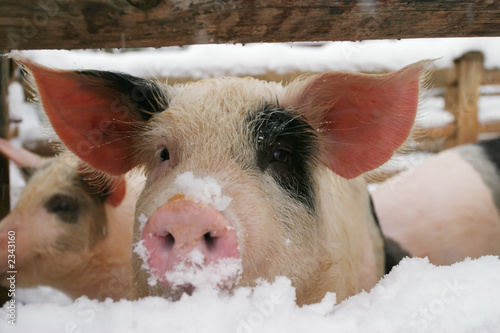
x: 65, y: 207
x: 286, y: 147
x: 144, y: 95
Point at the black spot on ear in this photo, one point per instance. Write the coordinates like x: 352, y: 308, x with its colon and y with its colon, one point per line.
x: 145, y: 95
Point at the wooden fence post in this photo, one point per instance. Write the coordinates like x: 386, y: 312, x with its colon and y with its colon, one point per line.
x: 469, y: 68
x: 450, y: 105
x: 5, y: 75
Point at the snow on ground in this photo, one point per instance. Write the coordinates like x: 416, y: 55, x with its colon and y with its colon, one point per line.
x: 415, y: 297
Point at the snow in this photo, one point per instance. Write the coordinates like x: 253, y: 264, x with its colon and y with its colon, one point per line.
x: 414, y: 297
x: 225, y: 271
x: 204, y: 190
x: 140, y: 249
x: 201, y: 61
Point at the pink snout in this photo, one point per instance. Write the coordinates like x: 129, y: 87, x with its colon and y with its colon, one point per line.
x: 180, y: 226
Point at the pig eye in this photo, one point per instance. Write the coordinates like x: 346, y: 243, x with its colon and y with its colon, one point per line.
x: 164, y: 155
x: 281, y: 156
x: 63, y: 206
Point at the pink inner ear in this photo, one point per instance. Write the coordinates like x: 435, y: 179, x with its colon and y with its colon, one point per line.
x: 365, y: 118
x: 88, y: 117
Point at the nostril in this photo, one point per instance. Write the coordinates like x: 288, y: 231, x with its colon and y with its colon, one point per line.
x: 169, y: 241
x: 209, y: 240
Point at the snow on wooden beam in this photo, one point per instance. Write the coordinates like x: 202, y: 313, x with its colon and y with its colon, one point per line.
x: 74, y: 24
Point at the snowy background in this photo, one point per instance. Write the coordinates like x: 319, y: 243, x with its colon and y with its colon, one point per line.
x: 415, y: 297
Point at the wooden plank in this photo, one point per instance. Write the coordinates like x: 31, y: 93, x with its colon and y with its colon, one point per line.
x: 490, y: 127
x: 442, y: 132
x: 491, y: 76
x: 4, y: 162
x: 5, y: 75
x: 441, y: 78
x: 469, y: 75
x: 75, y: 24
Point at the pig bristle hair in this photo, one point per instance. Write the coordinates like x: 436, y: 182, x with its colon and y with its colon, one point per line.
x: 381, y: 173
x: 55, y: 143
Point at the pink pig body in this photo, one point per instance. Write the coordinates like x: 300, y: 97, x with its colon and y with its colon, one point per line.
x: 446, y: 209
x: 279, y: 170
x: 70, y: 234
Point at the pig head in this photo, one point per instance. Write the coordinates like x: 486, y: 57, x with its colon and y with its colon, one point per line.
x: 72, y: 230
x: 279, y: 169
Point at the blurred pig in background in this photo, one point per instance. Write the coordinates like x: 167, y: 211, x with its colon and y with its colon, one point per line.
x: 447, y: 208
x: 73, y: 229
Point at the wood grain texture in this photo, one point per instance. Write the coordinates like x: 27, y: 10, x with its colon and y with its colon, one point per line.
x: 469, y: 69
x: 74, y: 24
x: 5, y: 76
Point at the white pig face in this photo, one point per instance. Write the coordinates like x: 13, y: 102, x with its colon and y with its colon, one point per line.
x: 262, y: 154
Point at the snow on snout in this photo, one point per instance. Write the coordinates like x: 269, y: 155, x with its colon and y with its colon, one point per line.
x: 194, y: 272
x: 204, y: 190
x: 141, y: 250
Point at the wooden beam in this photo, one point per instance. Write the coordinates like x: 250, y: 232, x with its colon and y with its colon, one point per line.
x: 490, y: 127
x: 76, y: 24
x: 5, y: 75
x: 469, y: 75
x: 491, y: 76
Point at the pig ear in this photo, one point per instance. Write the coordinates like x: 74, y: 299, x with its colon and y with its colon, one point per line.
x: 118, y: 189
x: 96, y: 113
x: 363, y: 118
x: 111, y: 189
x: 22, y: 157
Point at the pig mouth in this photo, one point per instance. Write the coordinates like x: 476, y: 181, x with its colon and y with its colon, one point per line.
x: 194, y: 272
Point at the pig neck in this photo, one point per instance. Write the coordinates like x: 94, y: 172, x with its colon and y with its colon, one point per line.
x: 349, y: 239
x: 108, y: 271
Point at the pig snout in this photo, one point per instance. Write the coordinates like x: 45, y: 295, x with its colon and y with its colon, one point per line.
x: 180, y: 228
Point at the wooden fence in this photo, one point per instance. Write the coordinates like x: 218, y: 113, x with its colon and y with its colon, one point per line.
x: 461, y: 86
x: 73, y: 24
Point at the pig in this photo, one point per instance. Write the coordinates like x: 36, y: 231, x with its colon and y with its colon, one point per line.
x: 447, y: 208
x: 258, y: 174
x: 72, y: 232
